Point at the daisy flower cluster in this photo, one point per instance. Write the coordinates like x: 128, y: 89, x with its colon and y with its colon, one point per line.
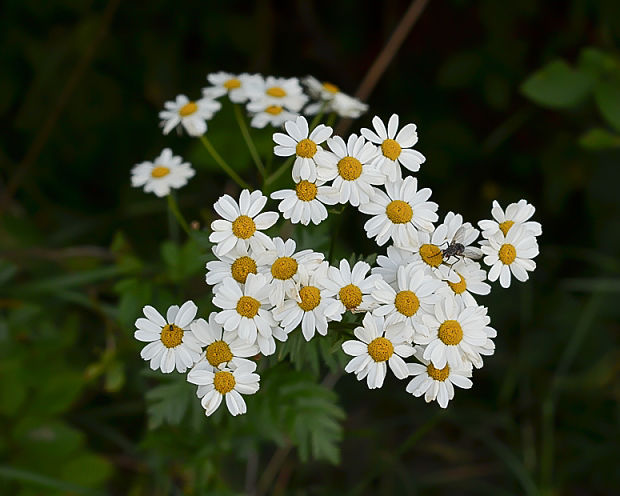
x: 416, y: 312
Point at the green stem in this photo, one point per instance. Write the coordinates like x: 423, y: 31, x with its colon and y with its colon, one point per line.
x: 279, y: 171
x: 331, y: 119
x: 222, y: 163
x: 248, y: 140
x: 174, y: 208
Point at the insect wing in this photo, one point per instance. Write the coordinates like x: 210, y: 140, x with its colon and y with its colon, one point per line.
x: 473, y: 253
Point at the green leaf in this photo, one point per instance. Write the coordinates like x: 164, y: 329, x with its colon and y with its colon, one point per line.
x: 169, y: 402
x: 557, y: 85
x: 182, y: 262
x: 597, y: 64
x: 87, y: 470
x: 607, y: 95
x: 57, y: 392
x: 599, y: 139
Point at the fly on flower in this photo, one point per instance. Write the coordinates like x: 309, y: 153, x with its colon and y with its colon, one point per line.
x: 458, y: 247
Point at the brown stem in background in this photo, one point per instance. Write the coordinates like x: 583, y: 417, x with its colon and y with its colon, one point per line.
x: 384, y: 58
x: 46, y: 129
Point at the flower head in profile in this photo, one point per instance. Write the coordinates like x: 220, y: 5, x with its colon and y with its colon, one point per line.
x: 264, y: 113
x: 377, y: 346
x: 396, y: 147
x: 331, y: 99
x: 242, y: 223
x: 302, y: 143
x: 228, y: 384
x: 238, y: 87
x: 171, y: 343
x: 165, y: 173
x: 191, y: 115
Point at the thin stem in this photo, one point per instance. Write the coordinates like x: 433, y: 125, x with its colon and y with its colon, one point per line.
x: 222, y: 163
x: 331, y: 119
x: 174, y: 208
x: 248, y: 140
x: 279, y: 171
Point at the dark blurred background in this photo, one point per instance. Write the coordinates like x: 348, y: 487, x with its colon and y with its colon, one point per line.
x: 80, y: 89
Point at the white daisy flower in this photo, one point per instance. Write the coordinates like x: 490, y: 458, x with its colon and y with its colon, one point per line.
x: 248, y: 311
x: 222, y: 348
x: 238, y: 87
x: 437, y: 384
x: 396, y: 149
x: 281, y: 92
x: 516, y: 213
x: 415, y: 295
x: 309, y: 309
x: 171, y: 342
x: 166, y: 172
x: 192, y: 115
x: 331, y: 99
x: 349, y: 166
x: 512, y: 253
x: 227, y: 384
x: 455, y: 334
x: 281, y: 267
x: 302, y: 143
x: 242, y: 223
x: 400, y: 213
x: 351, y: 288
x: 388, y: 265
x: 472, y: 278
x: 237, y: 263
x: 376, y: 344
x: 306, y: 203
x: 264, y: 113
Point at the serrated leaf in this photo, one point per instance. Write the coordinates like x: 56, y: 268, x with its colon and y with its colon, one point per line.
x: 599, y: 139
x: 607, y: 96
x: 557, y: 85
x: 169, y: 402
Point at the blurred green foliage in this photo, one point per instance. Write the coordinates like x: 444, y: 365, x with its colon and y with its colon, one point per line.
x: 511, y: 100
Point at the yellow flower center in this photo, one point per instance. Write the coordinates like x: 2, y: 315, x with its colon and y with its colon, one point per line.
x: 507, y: 254
x: 171, y: 335
x: 407, y: 303
x: 391, y: 149
x: 284, y: 268
x: 218, y: 352
x: 380, y: 349
x: 450, y: 332
x: 160, y: 171
x: 243, y: 227
x: 248, y: 306
x: 332, y: 88
x: 350, y: 296
x: 224, y: 382
x: 458, y: 287
x: 349, y: 168
x: 231, y: 84
x: 241, y: 268
x: 399, y: 212
x: 276, y: 92
x: 274, y: 109
x: 306, y: 148
x: 505, y: 226
x: 306, y: 191
x: 431, y: 254
x: 188, y: 109
x: 310, y: 298
x: 438, y: 374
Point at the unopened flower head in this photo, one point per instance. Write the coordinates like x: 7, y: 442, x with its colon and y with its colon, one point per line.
x: 191, y: 115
